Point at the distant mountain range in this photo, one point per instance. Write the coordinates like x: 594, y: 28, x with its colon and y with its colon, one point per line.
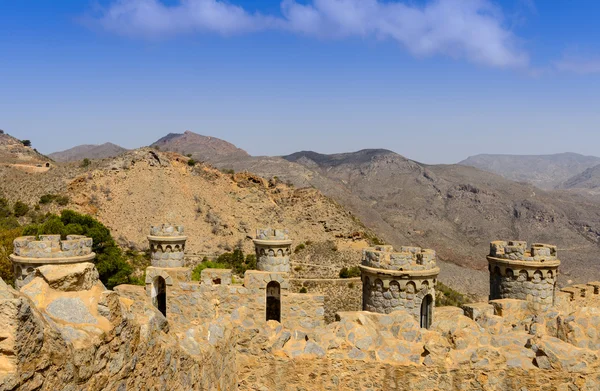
x: 455, y: 209
x: 89, y: 151
x: 543, y: 171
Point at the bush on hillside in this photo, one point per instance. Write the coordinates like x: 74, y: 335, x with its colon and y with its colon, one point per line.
x: 354, y: 271
x: 446, y: 296
x: 20, y: 209
x: 26, y: 143
x: 206, y: 264
x: 7, y: 236
x: 110, y: 262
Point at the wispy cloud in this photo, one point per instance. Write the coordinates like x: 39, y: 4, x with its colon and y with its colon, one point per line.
x: 470, y: 29
x: 579, y: 65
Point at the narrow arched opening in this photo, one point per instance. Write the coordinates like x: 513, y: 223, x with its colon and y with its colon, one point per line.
x: 159, y: 294
x: 426, y: 311
x: 273, y: 301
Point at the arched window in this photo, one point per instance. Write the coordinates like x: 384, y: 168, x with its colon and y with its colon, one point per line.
x: 273, y: 301
x: 159, y: 294
x: 426, y: 311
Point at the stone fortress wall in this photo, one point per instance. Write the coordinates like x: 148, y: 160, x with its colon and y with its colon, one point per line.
x: 219, y: 335
x: 399, y: 280
x: 32, y: 252
x: 517, y: 272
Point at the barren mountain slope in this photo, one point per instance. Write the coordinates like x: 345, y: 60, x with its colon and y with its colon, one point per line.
x: 201, y: 148
x: 456, y: 210
x: 89, y: 151
x: 543, y: 171
x: 145, y: 187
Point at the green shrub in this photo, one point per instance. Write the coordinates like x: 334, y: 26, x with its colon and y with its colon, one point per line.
x: 47, y: 198
x: 20, y: 209
x: 110, y: 262
x: 197, y: 272
x: 303, y: 290
x: 191, y: 162
x: 298, y: 268
x: 5, y: 208
x: 446, y: 296
x: 85, y: 162
x: 228, y: 171
x: 26, y: 143
x: 354, y: 271
x: 299, y: 248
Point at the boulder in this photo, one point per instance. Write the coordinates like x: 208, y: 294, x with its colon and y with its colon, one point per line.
x: 72, y: 277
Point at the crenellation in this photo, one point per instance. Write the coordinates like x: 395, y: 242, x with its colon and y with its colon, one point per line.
x: 400, y: 280
x: 520, y: 273
x: 273, y: 250
x: 167, y: 245
x: 31, y: 252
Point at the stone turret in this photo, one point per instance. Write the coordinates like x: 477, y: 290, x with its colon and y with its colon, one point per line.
x: 517, y: 272
x: 400, y: 280
x: 32, y: 252
x: 167, y: 245
x: 273, y: 249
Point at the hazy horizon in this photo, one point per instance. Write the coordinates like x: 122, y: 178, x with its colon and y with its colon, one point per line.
x: 433, y: 80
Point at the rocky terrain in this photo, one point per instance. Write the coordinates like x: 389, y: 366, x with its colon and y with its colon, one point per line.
x: 14, y: 152
x: 145, y: 187
x: 454, y: 209
x: 543, y: 171
x: 200, y: 147
x: 89, y: 151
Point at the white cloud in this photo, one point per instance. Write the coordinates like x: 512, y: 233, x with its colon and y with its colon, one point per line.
x: 471, y: 29
x: 580, y: 65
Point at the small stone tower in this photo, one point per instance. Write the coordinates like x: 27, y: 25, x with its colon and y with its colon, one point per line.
x: 31, y: 253
x: 400, y: 280
x: 273, y: 249
x: 519, y: 273
x: 167, y: 245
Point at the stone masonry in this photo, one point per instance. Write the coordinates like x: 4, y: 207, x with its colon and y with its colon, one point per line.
x: 273, y: 249
x: 520, y: 273
x: 30, y: 253
x: 401, y: 280
x: 167, y: 245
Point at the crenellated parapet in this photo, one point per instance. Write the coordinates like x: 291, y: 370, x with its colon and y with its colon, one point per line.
x: 31, y: 252
x: 400, y: 280
x: 519, y: 272
x: 273, y: 250
x: 167, y: 245
x: 407, y: 259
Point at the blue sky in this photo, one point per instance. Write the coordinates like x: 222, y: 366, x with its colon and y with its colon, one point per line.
x: 435, y: 81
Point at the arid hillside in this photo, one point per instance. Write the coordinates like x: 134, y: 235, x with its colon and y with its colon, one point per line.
x: 202, y: 148
x: 454, y: 209
x: 89, y: 151
x: 15, y: 152
x: 145, y: 187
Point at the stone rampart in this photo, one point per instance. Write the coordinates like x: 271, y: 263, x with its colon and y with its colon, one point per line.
x: 341, y: 294
x: 32, y: 252
x: 517, y: 272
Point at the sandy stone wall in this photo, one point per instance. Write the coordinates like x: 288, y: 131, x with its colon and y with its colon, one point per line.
x: 537, y: 287
x: 398, y: 295
x: 341, y: 294
x: 59, y: 334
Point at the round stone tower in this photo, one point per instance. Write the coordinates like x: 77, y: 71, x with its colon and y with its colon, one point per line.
x: 167, y: 245
x: 273, y: 249
x: 32, y: 252
x: 520, y: 273
x: 400, y: 280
